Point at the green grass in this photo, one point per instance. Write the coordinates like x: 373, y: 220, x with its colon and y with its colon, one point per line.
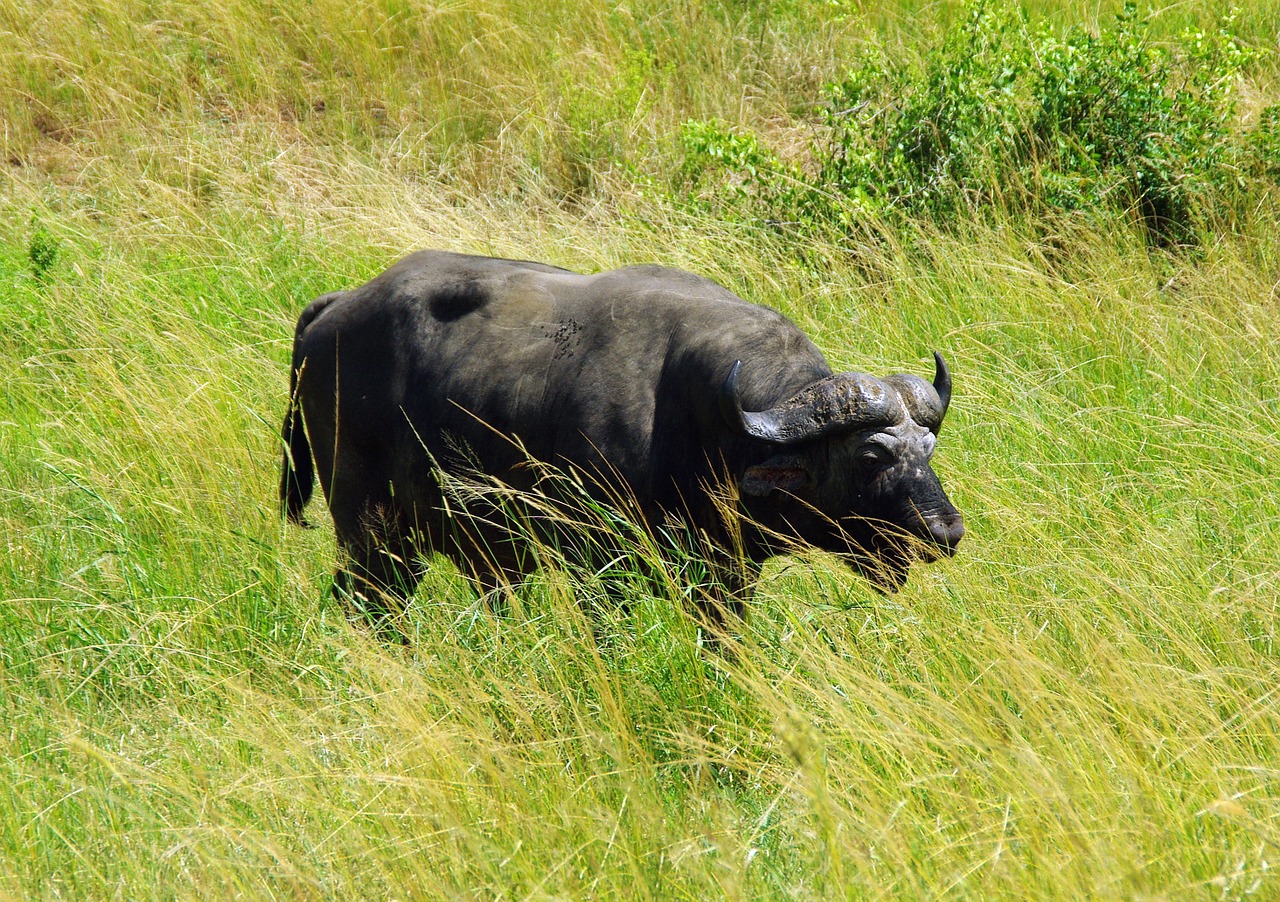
x: 1082, y: 704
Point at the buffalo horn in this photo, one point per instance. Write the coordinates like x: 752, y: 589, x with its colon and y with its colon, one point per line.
x: 926, y: 403
x: 839, y: 403
x: 942, y: 383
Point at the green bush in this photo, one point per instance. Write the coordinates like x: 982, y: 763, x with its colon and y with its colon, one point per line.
x: 42, y: 252
x: 1263, y: 155
x: 937, y: 139
x: 1003, y: 115
x: 712, y: 150
x: 1123, y: 122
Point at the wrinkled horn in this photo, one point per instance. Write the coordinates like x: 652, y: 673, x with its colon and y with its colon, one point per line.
x: 926, y: 403
x: 839, y: 403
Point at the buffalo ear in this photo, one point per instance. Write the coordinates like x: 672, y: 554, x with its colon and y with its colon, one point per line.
x: 782, y: 472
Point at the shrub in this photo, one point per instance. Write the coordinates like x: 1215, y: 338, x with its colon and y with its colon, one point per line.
x: 1004, y: 116
x: 750, y: 171
x: 1263, y: 156
x: 1111, y: 127
x: 938, y: 139
x: 42, y: 252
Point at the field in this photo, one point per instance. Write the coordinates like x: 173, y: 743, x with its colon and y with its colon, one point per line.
x: 1081, y: 704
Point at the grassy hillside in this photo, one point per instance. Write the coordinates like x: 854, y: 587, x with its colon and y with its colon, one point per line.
x: 1082, y: 704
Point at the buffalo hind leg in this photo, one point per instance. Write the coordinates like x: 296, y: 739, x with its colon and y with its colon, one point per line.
x: 380, y: 574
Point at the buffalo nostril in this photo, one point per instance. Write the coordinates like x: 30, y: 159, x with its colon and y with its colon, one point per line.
x: 954, y: 536
x: 946, y: 533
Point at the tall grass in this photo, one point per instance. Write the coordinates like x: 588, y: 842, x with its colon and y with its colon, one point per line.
x: 1080, y: 704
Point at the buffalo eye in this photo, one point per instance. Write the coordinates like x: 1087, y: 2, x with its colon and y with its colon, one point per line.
x: 873, y: 455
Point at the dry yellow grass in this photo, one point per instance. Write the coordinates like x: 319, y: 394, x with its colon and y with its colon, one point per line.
x: 1080, y: 705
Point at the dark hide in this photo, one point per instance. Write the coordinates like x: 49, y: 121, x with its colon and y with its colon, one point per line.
x: 626, y: 378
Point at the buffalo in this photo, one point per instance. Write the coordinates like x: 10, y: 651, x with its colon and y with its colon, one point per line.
x: 645, y: 383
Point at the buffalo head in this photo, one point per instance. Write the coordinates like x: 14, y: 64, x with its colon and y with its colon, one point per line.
x: 849, y: 469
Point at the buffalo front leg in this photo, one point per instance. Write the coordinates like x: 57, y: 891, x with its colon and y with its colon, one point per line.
x: 375, y: 588
x: 722, y: 603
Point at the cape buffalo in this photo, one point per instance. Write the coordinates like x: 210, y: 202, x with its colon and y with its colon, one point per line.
x: 644, y: 382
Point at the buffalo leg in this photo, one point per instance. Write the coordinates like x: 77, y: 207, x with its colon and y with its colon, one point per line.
x: 375, y: 587
x: 722, y: 606
x: 381, y: 570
